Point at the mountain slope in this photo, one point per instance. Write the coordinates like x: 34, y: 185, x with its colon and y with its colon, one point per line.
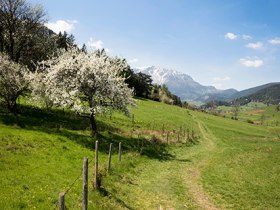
x: 183, y: 85
x: 269, y: 94
x: 250, y: 91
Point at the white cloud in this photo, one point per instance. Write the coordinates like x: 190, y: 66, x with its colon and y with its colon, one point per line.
x: 107, y: 50
x: 62, y: 25
x: 255, y: 46
x: 142, y: 67
x: 226, y: 78
x: 134, y: 60
x: 95, y: 44
x: 249, y: 62
x: 230, y: 36
x: 218, y: 85
x: 246, y: 37
x: 274, y: 41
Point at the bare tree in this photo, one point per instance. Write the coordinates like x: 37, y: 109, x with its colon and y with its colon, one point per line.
x: 235, y: 110
x: 19, y: 23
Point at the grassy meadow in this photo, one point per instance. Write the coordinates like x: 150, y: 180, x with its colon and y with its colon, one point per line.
x: 254, y: 112
x: 228, y: 165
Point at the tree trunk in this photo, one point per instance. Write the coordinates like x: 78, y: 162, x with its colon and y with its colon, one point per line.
x: 93, y: 125
x: 11, y: 47
x: 1, y: 39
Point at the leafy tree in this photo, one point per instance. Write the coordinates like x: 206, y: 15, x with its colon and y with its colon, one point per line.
x: 13, y: 82
x: 142, y: 84
x: 87, y: 83
x: 155, y: 92
x: 84, y: 48
x: 166, y: 90
x: 65, y: 41
x: 177, y: 100
x: 277, y: 108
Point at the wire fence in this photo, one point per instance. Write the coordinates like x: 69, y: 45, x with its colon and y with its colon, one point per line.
x: 72, y: 194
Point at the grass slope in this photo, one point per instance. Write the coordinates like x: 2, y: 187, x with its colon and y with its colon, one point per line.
x: 230, y: 165
x: 243, y: 171
x: 254, y: 112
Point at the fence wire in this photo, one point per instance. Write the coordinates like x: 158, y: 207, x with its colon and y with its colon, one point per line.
x: 72, y: 200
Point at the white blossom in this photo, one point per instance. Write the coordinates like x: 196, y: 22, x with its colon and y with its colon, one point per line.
x: 14, y: 81
x: 87, y: 83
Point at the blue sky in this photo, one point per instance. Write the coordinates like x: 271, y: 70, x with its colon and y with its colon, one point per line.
x: 225, y: 43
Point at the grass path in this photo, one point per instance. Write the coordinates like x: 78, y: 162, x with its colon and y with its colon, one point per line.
x: 171, y: 184
x: 234, y: 166
x: 194, y: 173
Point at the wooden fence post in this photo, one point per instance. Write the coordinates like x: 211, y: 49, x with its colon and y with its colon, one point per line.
x: 61, y: 201
x: 120, y: 151
x: 110, y: 158
x: 85, y: 184
x: 132, y: 119
x: 96, y: 167
x: 167, y: 135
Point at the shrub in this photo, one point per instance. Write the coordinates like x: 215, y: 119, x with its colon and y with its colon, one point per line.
x: 250, y: 121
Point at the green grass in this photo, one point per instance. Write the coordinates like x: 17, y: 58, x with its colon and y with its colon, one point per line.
x: 243, y: 172
x: 44, y: 155
x: 35, y: 166
x: 254, y: 112
x: 230, y: 164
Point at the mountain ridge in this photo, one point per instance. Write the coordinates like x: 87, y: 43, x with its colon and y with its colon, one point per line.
x: 183, y: 85
x: 252, y: 90
x: 270, y: 94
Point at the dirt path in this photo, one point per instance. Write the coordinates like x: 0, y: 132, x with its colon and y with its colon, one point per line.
x: 194, y: 179
x: 175, y: 183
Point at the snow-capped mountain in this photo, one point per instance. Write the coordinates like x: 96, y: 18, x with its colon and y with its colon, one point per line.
x: 183, y: 85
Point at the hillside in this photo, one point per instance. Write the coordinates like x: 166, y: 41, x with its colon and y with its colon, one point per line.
x: 228, y: 164
x: 250, y: 91
x: 270, y: 94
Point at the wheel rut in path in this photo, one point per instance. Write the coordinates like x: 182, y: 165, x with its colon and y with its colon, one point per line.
x: 195, y: 186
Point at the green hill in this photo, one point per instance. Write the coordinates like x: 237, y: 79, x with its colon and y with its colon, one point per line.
x: 251, y: 91
x: 228, y: 164
x: 269, y: 95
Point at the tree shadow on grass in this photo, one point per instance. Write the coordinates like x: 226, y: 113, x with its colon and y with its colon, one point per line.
x: 142, y: 145
x: 65, y: 123
x: 33, y: 117
x: 106, y: 193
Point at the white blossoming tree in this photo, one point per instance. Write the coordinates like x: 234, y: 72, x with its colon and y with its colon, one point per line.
x: 14, y: 82
x: 87, y: 83
x: 39, y: 88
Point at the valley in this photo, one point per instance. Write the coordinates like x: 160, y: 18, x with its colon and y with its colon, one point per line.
x: 139, y: 105
x: 229, y: 165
